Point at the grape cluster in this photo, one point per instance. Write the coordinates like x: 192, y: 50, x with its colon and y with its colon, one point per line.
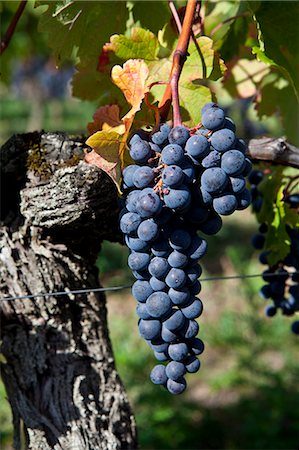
x: 180, y: 184
x: 282, y: 287
x: 255, y: 178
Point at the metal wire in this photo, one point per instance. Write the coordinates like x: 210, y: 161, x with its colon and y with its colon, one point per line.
x: 127, y: 286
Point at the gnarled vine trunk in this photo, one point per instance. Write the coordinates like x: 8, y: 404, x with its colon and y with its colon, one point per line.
x: 59, y: 369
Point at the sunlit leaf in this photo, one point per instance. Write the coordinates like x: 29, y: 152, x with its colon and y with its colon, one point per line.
x: 141, y: 44
x: 131, y: 79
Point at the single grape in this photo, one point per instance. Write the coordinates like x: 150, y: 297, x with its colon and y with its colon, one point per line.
x: 214, y: 180
x: 178, y: 135
x: 233, y: 162
x: 168, y: 335
x: 212, y: 225
x: 237, y: 184
x: 195, y: 288
x: 178, y: 352
x: 197, y: 346
x: 213, y: 159
x: 132, y: 201
x: 175, y: 370
x: 223, y: 140
x: 193, y: 310
x: 157, y: 285
x: 176, y: 387
x: 149, y: 204
x: 197, y: 146
x: 147, y: 230
x: 192, y: 364
x: 177, y: 259
x: 175, y: 321
x: 190, y: 329
x: 158, y: 374
x: 243, y: 199
x: 270, y: 311
x: 213, y: 118
x: 180, y: 240
x: 255, y: 177
x: 128, y: 173
x: 172, y: 154
x: 173, y: 176
x: 158, y: 345
x: 179, y: 296
x: 176, y: 278
x: 143, y: 177
x: 138, y: 260
x: 149, y: 329
x: 158, y: 304
x: 197, y: 249
x: 129, y: 222
x: 178, y: 199
x: 141, y: 290
x: 136, y: 244
x: 161, y: 248
x: 140, y: 151
x: 159, y: 267
x: 225, y: 205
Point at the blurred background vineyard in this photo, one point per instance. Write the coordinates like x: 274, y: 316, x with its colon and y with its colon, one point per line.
x: 245, y: 395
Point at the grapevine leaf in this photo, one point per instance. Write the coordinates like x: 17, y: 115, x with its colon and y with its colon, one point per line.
x: 153, y: 15
x: 276, y: 96
x: 219, y: 15
x: 201, y: 60
x: 193, y: 97
x: 105, y: 118
x: 77, y: 31
x: 106, y: 153
x: 131, y: 79
x: 243, y: 79
x: 78, y: 27
x: 141, y: 44
x: 276, y: 214
x: 278, y: 241
x: 278, y: 37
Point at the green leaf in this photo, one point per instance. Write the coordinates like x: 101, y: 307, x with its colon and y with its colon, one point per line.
x: 276, y: 96
x: 141, y: 44
x: 78, y: 27
x: 77, y: 30
x: 192, y: 98
x: 201, y: 60
x: 277, y: 27
x: 276, y: 214
x: 150, y: 15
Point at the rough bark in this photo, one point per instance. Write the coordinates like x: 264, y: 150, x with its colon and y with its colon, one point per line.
x: 59, y: 369
x: 277, y: 151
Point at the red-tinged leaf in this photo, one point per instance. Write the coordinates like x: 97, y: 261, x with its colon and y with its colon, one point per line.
x: 112, y: 168
x: 105, y: 118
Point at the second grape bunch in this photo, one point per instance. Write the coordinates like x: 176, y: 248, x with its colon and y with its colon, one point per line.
x: 181, y: 184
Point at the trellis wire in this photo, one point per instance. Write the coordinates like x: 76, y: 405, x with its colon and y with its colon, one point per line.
x: 127, y: 286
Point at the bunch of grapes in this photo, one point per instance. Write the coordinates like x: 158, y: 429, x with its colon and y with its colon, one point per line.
x: 255, y: 178
x: 181, y: 183
x: 282, y: 286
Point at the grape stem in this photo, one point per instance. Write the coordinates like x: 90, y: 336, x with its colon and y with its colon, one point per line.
x: 12, y: 26
x: 178, y: 60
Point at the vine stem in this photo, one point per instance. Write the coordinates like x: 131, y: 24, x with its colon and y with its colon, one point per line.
x: 12, y: 26
x: 178, y: 60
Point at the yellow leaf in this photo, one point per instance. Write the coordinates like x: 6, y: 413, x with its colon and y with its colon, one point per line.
x: 131, y: 79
